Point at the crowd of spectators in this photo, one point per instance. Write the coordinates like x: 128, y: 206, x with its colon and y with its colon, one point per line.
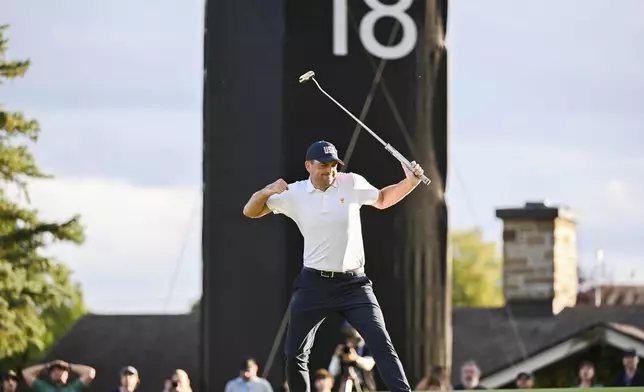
x: 351, y: 368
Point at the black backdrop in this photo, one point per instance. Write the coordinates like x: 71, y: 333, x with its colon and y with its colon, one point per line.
x: 258, y: 121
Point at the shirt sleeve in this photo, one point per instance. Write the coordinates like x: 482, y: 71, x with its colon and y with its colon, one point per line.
x: 267, y: 386
x: 367, y: 193
x: 334, y: 366
x: 282, y: 203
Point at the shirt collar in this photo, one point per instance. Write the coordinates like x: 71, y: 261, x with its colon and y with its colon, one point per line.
x: 310, y: 188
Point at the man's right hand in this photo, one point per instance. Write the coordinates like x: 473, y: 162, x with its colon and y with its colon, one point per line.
x: 277, y: 187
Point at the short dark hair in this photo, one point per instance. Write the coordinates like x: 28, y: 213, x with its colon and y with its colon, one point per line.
x: 438, y: 370
x: 322, y: 373
x: 247, y: 364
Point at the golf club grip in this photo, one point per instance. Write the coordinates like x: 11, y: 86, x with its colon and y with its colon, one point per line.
x: 405, y: 162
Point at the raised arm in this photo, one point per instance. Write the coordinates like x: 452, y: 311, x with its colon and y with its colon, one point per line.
x: 392, y: 194
x: 85, y: 373
x: 31, y: 373
x: 256, y: 207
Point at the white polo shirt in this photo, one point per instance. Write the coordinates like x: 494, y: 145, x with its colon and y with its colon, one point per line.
x: 329, y: 221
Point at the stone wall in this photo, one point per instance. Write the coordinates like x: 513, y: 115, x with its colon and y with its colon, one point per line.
x: 540, y: 261
x: 528, y: 267
x: 540, y: 255
x: 566, y: 279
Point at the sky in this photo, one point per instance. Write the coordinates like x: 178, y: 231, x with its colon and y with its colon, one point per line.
x: 543, y: 105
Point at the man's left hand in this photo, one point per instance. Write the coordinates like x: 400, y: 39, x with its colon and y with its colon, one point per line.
x: 414, y: 174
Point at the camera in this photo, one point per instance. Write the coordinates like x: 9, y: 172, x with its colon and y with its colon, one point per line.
x: 171, y: 385
x: 346, y: 349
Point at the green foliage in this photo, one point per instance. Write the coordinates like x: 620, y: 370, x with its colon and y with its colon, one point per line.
x: 477, y: 271
x: 38, y: 302
x: 10, y: 69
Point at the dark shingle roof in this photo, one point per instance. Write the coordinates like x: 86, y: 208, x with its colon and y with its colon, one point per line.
x: 154, y: 344
x: 490, y: 337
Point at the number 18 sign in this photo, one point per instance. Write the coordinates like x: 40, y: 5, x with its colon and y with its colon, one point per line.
x: 377, y: 11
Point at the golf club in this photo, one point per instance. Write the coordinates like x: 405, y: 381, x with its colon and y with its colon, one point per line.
x: 311, y: 76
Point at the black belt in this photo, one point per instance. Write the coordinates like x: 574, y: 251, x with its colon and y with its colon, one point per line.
x: 333, y: 274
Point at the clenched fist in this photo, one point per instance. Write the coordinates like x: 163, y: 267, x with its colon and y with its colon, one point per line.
x: 277, y: 187
x: 416, y: 173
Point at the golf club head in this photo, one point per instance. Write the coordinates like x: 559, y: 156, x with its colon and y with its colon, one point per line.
x: 306, y: 77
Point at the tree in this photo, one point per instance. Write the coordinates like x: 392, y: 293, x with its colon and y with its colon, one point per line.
x: 37, y: 298
x: 477, y: 271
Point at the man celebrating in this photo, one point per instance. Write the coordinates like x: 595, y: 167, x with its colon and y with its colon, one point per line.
x: 326, y: 208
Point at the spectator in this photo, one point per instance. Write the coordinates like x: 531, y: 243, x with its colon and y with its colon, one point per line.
x: 432, y: 373
x: 353, y: 361
x: 434, y: 384
x: 129, y: 380
x: 470, y: 376
x: 587, y: 376
x: 439, y: 372
x: 524, y: 380
x: 178, y: 382
x: 248, y: 381
x: 630, y: 377
x: 58, y: 372
x: 323, y: 381
x: 423, y: 383
x: 10, y: 381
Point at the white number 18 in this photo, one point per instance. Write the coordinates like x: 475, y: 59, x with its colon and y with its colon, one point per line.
x: 367, y: 24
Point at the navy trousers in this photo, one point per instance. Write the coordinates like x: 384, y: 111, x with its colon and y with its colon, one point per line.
x: 313, y: 299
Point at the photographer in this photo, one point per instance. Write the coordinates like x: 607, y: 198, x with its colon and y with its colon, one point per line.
x: 178, y: 382
x: 352, y: 361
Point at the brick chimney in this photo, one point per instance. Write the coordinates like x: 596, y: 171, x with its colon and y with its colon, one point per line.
x: 539, y: 258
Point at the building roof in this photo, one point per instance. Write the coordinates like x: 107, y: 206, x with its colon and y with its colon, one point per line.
x: 497, y: 340
x: 618, y: 336
x: 613, y: 295
x: 156, y: 345
x: 536, y: 211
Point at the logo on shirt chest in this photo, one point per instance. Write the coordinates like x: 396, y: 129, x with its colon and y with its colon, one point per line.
x: 336, y: 205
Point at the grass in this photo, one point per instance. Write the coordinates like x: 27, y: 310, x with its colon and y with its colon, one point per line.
x: 605, y: 389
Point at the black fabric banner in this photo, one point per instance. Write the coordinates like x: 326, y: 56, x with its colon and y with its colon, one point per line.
x: 244, y: 261
x: 258, y: 121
